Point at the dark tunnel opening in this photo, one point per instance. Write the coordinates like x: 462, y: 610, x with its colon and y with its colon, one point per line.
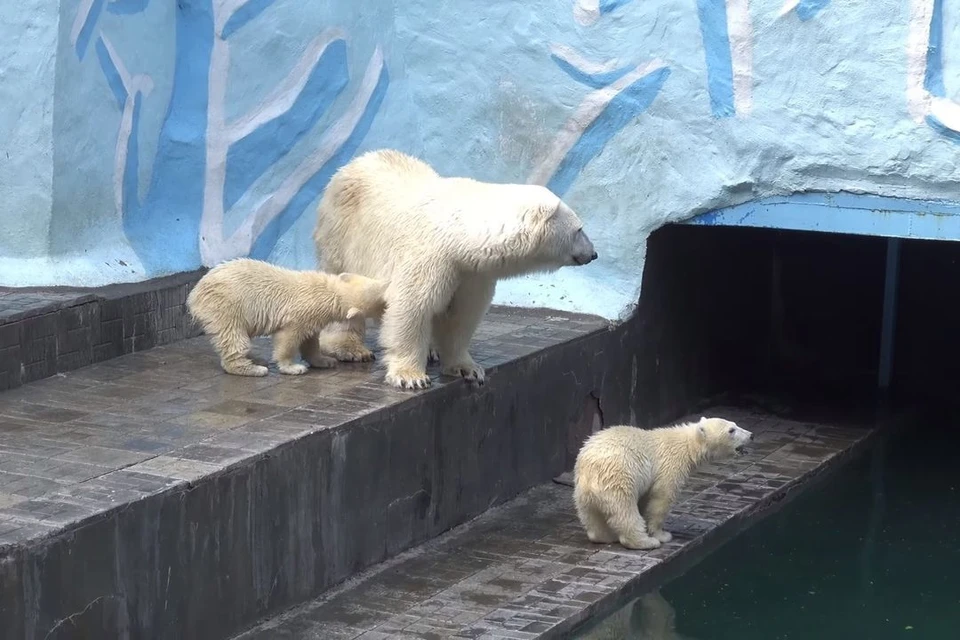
x: 796, y: 318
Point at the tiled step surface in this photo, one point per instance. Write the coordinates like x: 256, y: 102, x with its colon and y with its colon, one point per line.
x: 525, y: 570
x: 155, y: 496
x: 48, y: 331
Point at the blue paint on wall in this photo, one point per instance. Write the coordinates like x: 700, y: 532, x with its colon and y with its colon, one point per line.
x: 843, y: 213
x: 131, y: 176
x: 716, y: 47
x: 111, y: 73
x: 165, y: 229
x: 626, y: 106
x: 251, y: 156
x: 942, y: 129
x: 265, y: 243
x: 128, y: 7
x: 808, y: 9
x: 245, y: 14
x: 595, y: 80
x: 933, y: 81
x: 608, y: 6
x: 86, y: 31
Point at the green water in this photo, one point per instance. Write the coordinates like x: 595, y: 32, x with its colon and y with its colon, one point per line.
x: 873, y: 553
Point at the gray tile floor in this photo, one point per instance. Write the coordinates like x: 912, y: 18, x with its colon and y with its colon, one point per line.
x: 526, y: 568
x: 79, y: 443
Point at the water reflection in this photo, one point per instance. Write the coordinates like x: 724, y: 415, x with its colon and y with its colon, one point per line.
x: 649, y: 617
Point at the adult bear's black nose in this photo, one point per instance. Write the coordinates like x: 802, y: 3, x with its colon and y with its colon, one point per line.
x: 593, y: 257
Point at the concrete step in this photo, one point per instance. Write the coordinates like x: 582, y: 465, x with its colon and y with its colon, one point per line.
x: 525, y: 570
x: 44, y: 332
x: 153, y: 496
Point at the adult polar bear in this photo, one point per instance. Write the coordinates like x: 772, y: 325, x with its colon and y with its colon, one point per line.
x: 441, y: 244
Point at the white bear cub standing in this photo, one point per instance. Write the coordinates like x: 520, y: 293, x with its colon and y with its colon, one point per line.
x: 240, y: 299
x: 623, y: 471
x: 441, y: 244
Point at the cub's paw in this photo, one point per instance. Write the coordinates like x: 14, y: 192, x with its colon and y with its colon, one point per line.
x: 663, y: 536
x: 643, y: 544
x: 410, y: 379
x: 469, y: 370
x: 293, y: 369
x: 321, y: 362
x: 433, y: 356
x: 600, y: 537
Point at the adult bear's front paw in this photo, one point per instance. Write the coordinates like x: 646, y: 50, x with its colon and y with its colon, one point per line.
x: 411, y: 379
x: 469, y: 370
x: 353, y: 353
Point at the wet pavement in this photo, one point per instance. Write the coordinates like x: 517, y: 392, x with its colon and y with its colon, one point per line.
x: 78, y: 444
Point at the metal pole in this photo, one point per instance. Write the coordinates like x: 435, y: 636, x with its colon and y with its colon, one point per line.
x: 891, y: 286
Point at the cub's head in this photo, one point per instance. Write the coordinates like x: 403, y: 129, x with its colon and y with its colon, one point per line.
x: 722, y: 438
x: 363, y: 295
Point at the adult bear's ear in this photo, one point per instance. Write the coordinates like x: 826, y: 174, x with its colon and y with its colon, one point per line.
x: 352, y: 313
x: 551, y: 210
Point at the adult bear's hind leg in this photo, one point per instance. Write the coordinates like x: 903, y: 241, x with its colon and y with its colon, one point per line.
x: 344, y: 341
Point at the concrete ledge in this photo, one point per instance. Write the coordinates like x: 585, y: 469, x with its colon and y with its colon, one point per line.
x: 154, y: 496
x: 44, y: 332
x: 526, y: 570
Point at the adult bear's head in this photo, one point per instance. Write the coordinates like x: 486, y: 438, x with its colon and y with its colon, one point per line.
x: 513, y: 229
x: 548, y: 233
x: 557, y: 238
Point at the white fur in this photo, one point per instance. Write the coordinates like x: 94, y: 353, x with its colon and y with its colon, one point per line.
x: 241, y: 299
x: 619, y: 466
x: 441, y: 244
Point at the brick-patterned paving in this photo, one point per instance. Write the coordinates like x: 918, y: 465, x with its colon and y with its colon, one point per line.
x: 77, y: 444
x: 526, y: 569
x: 43, y: 333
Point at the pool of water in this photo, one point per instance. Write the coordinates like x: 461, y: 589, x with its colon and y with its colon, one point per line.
x: 870, y: 554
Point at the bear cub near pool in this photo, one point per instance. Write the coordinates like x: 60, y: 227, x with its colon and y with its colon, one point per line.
x: 624, y: 471
x: 244, y: 298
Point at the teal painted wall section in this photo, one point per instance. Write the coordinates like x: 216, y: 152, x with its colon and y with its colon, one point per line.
x: 28, y: 44
x: 145, y: 137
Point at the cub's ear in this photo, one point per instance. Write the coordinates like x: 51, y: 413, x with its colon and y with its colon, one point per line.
x: 352, y: 313
x: 345, y: 277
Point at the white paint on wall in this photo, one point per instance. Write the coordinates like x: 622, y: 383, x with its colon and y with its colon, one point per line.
x: 740, y: 30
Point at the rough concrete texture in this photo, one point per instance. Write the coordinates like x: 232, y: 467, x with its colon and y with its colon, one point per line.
x: 526, y: 570
x: 153, y: 496
x: 194, y: 131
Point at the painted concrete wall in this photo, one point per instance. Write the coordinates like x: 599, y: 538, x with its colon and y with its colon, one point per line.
x: 188, y: 132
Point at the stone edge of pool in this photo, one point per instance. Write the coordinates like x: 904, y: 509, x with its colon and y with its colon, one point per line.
x: 525, y: 570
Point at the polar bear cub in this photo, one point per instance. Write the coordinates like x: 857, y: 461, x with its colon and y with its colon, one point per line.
x: 623, y: 471
x: 241, y: 299
x: 441, y: 244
